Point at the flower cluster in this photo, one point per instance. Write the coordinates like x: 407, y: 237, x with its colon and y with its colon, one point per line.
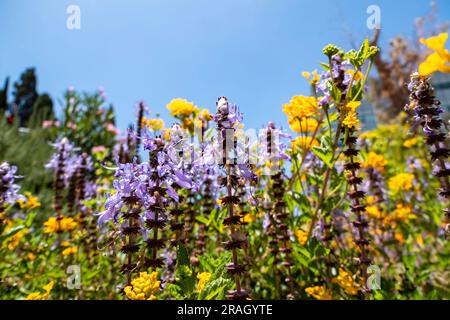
x: 145, y: 287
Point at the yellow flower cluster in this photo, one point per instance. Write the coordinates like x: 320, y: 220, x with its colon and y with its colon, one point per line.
x: 375, y: 161
x: 41, y: 296
x: 401, y: 182
x: 30, y: 203
x: 302, y: 236
x: 300, y: 107
x: 410, y: 142
x: 374, y: 212
x: 56, y: 225
x: 312, y: 77
x: 345, y: 281
x: 438, y: 60
x: 144, y: 287
x: 181, y: 107
x: 304, y: 125
x: 319, y: 292
x: 403, y: 212
x: 351, y: 119
x: 155, y: 124
x: 202, y: 277
x: 303, y: 143
x: 69, y: 251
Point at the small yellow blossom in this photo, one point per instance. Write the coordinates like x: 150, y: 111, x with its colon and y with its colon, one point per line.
x: 30, y: 203
x: 401, y: 182
x: 248, y: 218
x: 31, y: 256
x: 155, y: 124
x: 319, y: 292
x: 56, y: 225
x: 399, y: 237
x: 205, y: 115
x: 351, y: 120
x: 302, y: 236
x: 202, y: 277
x: 358, y: 75
x: 410, y: 142
x: 41, y: 296
x: 352, y: 106
x: 375, y: 161
x: 69, y: 250
x: 144, y: 287
x: 312, y: 77
x: 181, y: 107
x: 345, y: 281
x: 438, y: 60
x: 374, y: 212
x: 403, y: 212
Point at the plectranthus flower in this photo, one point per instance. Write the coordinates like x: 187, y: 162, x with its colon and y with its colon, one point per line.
x: 356, y: 195
x: 427, y: 109
x: 8, y: 189
x: 227, y: 119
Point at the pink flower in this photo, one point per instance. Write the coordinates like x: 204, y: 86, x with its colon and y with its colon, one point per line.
x: 71, y: 125
x: 111, y: 128
x: 98, y: 149
x: 47, y: 124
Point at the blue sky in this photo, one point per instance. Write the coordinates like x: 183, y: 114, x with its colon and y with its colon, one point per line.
x: 251, y: 51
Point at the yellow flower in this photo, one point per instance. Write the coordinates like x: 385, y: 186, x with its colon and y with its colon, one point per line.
x: 410, y: 142
x: 399, y: 237
x: 358, y: 75
x: 352, y: 106
x: 219, y: 202
x: 166, y: 134
x: 155, y: 124
x: 312, y: 77
x: 345, y: 281
x: 181, y: 107
x: 370, y: 200
x: 205, y: 115
x: 31, y: 203
x: 304, y: 125
x: 374, y: 212
x: 351, y: 120
x: 439, y: 59
x: 303, y: 143
x: 403, y: 212
x: 144, y: 287
x: 69, y: 250
x: 12, y: 242
x: 248, y: 218
x: 31, y: 256
x: 401, y: 182
x: 319, y: 292
x: 202, y: 277
x: 41, y: 296
x: 375, y: 161
x: 300, y: 107
x: 56, y: 225
x: 302, y: 236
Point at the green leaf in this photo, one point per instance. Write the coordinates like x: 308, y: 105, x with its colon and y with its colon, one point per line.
x: 182, y: 256
x: 10, y: 233
x: 334, y: 91
x: 324, y: 151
